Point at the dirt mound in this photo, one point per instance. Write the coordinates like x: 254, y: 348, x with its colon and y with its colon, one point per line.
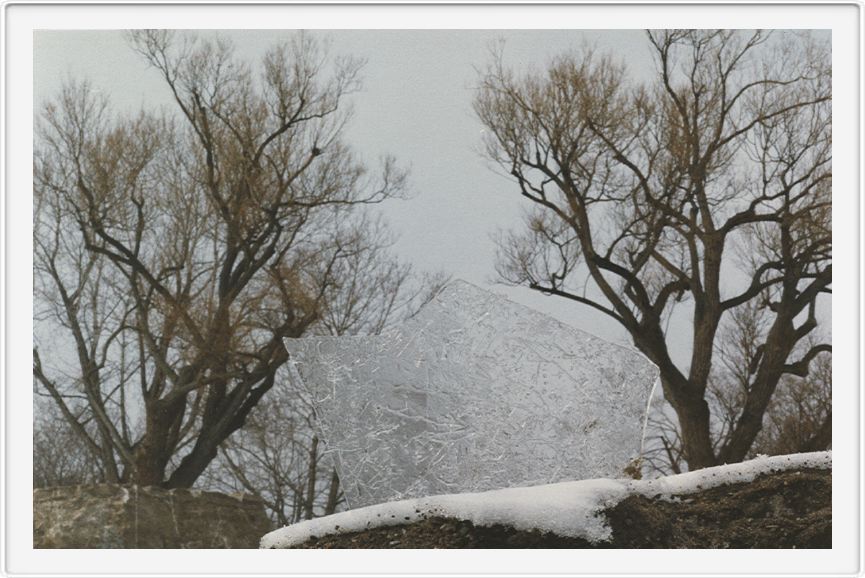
x: 783, y: 510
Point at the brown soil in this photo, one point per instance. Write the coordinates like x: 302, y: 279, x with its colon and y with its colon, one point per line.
x: 783, y: 510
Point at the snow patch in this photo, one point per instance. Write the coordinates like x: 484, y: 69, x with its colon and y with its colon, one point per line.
x: 739, y: 473
x: 570, y: 509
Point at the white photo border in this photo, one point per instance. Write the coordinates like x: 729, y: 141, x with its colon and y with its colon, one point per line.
x: 20, y: 20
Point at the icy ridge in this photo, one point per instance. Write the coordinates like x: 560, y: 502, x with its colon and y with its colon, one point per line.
x: 571, y: 509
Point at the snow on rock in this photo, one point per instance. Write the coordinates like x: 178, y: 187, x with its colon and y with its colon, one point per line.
x: 743, y: 472
x: 551, y: 507
x: 570, y: 509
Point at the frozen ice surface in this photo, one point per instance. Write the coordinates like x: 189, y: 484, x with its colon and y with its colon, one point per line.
x: 571, y: 509
x: 474, y: 393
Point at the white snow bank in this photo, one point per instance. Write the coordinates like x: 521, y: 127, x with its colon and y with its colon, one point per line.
x: 691, y: 482
x: 572, y: 509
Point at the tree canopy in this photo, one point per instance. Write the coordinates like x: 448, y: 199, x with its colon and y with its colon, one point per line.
x: 708, y: 187
x: 177, y: 248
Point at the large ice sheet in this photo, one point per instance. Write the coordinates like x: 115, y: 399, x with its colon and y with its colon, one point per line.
x: 474, y: 393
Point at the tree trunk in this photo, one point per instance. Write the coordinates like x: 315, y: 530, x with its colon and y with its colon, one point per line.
x: 779, y: 343
x: 687, y: 400
x: 218, y: 423
x: 194, y: 464
x: 154, y: 451
x: 693, y: 417
x: 332, y: 495
x: 310, y: 479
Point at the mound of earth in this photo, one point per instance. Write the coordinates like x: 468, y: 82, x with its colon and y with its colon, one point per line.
x: 791, y: 509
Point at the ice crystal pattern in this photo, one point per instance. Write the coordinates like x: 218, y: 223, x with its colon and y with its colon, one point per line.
x: 473, y: 393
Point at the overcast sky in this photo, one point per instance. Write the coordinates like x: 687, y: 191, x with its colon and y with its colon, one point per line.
x: 417, y: 105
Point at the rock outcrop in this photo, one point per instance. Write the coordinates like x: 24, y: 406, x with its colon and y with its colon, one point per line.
x: 115, y: 516
x: 790, y: 509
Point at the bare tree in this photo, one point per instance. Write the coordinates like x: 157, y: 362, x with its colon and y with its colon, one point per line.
x: 709, y: 188
x: 374, y: 288
x: 799, y: 419
x: 177, y: 249
x: 60, y: 458
x: 278, y: 455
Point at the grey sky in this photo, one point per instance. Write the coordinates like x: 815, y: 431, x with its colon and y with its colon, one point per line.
x: 416, y: 105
